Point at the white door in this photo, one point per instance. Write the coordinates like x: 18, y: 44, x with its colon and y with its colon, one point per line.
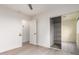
x: 77, y: 34
x: 33, y: 36
x: 19, y: 34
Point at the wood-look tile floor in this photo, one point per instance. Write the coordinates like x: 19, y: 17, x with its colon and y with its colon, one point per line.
x: 29, y: 49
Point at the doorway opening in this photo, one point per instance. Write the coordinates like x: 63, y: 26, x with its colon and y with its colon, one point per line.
x: 55, y: 31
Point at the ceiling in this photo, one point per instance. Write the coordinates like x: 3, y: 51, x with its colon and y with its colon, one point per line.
x: 38, y: 8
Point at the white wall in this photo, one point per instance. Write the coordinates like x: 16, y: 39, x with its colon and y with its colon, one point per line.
x: 10, y: 27
x: 44, y: 23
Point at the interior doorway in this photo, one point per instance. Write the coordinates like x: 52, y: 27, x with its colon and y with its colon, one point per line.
x: 55, y: 30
